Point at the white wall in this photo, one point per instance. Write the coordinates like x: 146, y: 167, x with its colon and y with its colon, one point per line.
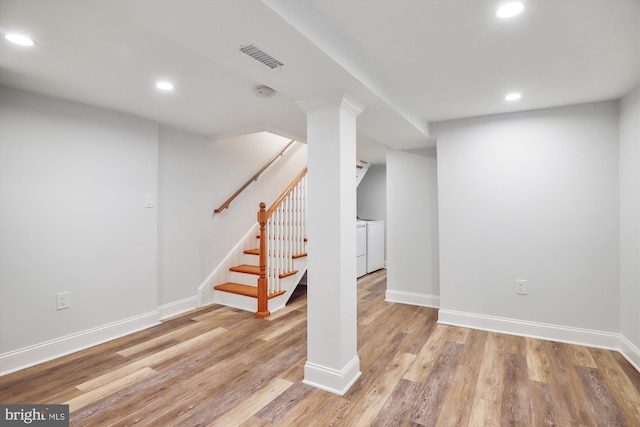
x: 534, y: 196
x: 197, y: 175
x: 73, y: 180
x: 372, y: 194
x: 412, y: 228
x: 630, y: 219
x: 372, y: 197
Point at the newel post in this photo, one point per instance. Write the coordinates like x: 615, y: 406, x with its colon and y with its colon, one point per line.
x: 263, y: 310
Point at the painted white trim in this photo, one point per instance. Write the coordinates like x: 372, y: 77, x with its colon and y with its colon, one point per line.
x: 630, y: 352
x: 205, y: 286
x: 343, y: 100
x: 566, y: 334
x: 178, y: 307
x: 332, y: 380
x: 360, y: 173
x: 412, y: 298
x: 48, y: 350
x: 241, y: 302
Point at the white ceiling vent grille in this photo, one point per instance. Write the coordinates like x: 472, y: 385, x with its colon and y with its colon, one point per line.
x: 261, y: 56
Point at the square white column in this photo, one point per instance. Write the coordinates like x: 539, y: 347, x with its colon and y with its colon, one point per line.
x: 332, y: 360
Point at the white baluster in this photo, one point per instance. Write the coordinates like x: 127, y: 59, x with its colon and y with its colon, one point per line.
x: 269, y: 252
x: 279, y: 251
x: 294, y: 222
x: 287, y: 254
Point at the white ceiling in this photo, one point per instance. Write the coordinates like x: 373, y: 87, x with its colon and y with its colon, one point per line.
x: 410, y: 62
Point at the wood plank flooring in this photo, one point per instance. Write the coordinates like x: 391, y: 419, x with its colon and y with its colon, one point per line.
x: 222, y: 367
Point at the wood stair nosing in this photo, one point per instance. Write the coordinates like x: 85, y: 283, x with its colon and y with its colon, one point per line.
x: 245, y: 268
x: 245, y: 290
x: 255, y: 270
x: 288, y: 273
x: 256, y: 251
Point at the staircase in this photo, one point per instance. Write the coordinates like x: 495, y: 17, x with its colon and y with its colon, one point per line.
x: 276, y: 259
x: 361, y: 170
x: 270, y: 261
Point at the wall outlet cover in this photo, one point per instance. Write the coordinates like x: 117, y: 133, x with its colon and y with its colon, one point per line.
x: 63, y: 300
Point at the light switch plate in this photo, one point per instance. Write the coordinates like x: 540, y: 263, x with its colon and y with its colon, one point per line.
x: 521, y: 287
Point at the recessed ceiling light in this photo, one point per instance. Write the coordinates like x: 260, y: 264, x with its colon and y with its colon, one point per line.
x: 164, y: 85
x: 513, y: 96
x: 19, y: 39
x: 510, y: 9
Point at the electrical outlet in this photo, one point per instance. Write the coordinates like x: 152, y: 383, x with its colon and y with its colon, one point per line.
x: 64, y: 300
x: 521, y: 288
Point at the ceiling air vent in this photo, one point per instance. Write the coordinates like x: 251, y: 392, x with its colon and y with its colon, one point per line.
x: 261, y: 56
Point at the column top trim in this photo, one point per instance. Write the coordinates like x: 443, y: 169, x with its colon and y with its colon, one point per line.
x: 328, y: 101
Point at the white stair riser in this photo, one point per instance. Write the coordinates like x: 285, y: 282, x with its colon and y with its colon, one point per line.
x: 278, y: 302
x: 252, y: 280
x: 289, y: 282
x: 300, y: 264
x: 251, y: 259
x: 248, y: 303
x: 243, y: 278
x: 237, y: 301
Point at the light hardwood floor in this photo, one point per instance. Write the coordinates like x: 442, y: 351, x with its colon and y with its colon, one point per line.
x: 221, y: 366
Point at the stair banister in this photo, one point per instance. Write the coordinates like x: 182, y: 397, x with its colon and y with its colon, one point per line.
x: 273, y: 244
x: 286, y: 192
x: 255, y: 177
x: 263, y: 310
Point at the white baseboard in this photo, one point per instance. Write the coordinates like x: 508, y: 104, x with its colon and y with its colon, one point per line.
x: 630, y: 352
x: 412, y: 298
x: 43, y: 352
x: 332, y: 380
x: 566, y: 334
x: 178, y: 307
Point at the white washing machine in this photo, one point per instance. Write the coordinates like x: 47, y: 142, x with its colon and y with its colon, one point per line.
x: 361, y: 248
x: 375, y: 245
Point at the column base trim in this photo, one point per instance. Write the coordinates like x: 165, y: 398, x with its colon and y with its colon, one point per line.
x: 332, y: 380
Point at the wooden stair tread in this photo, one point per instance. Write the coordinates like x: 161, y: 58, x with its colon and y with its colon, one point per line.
x: 288, y: 273
x: 255, y: 270
x: 256, y: 251
x: 244, y: 268
x: 246, y: 290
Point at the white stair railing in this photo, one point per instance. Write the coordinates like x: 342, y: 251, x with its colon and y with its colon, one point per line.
x: 282, y: 239
x: 285, y: 232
